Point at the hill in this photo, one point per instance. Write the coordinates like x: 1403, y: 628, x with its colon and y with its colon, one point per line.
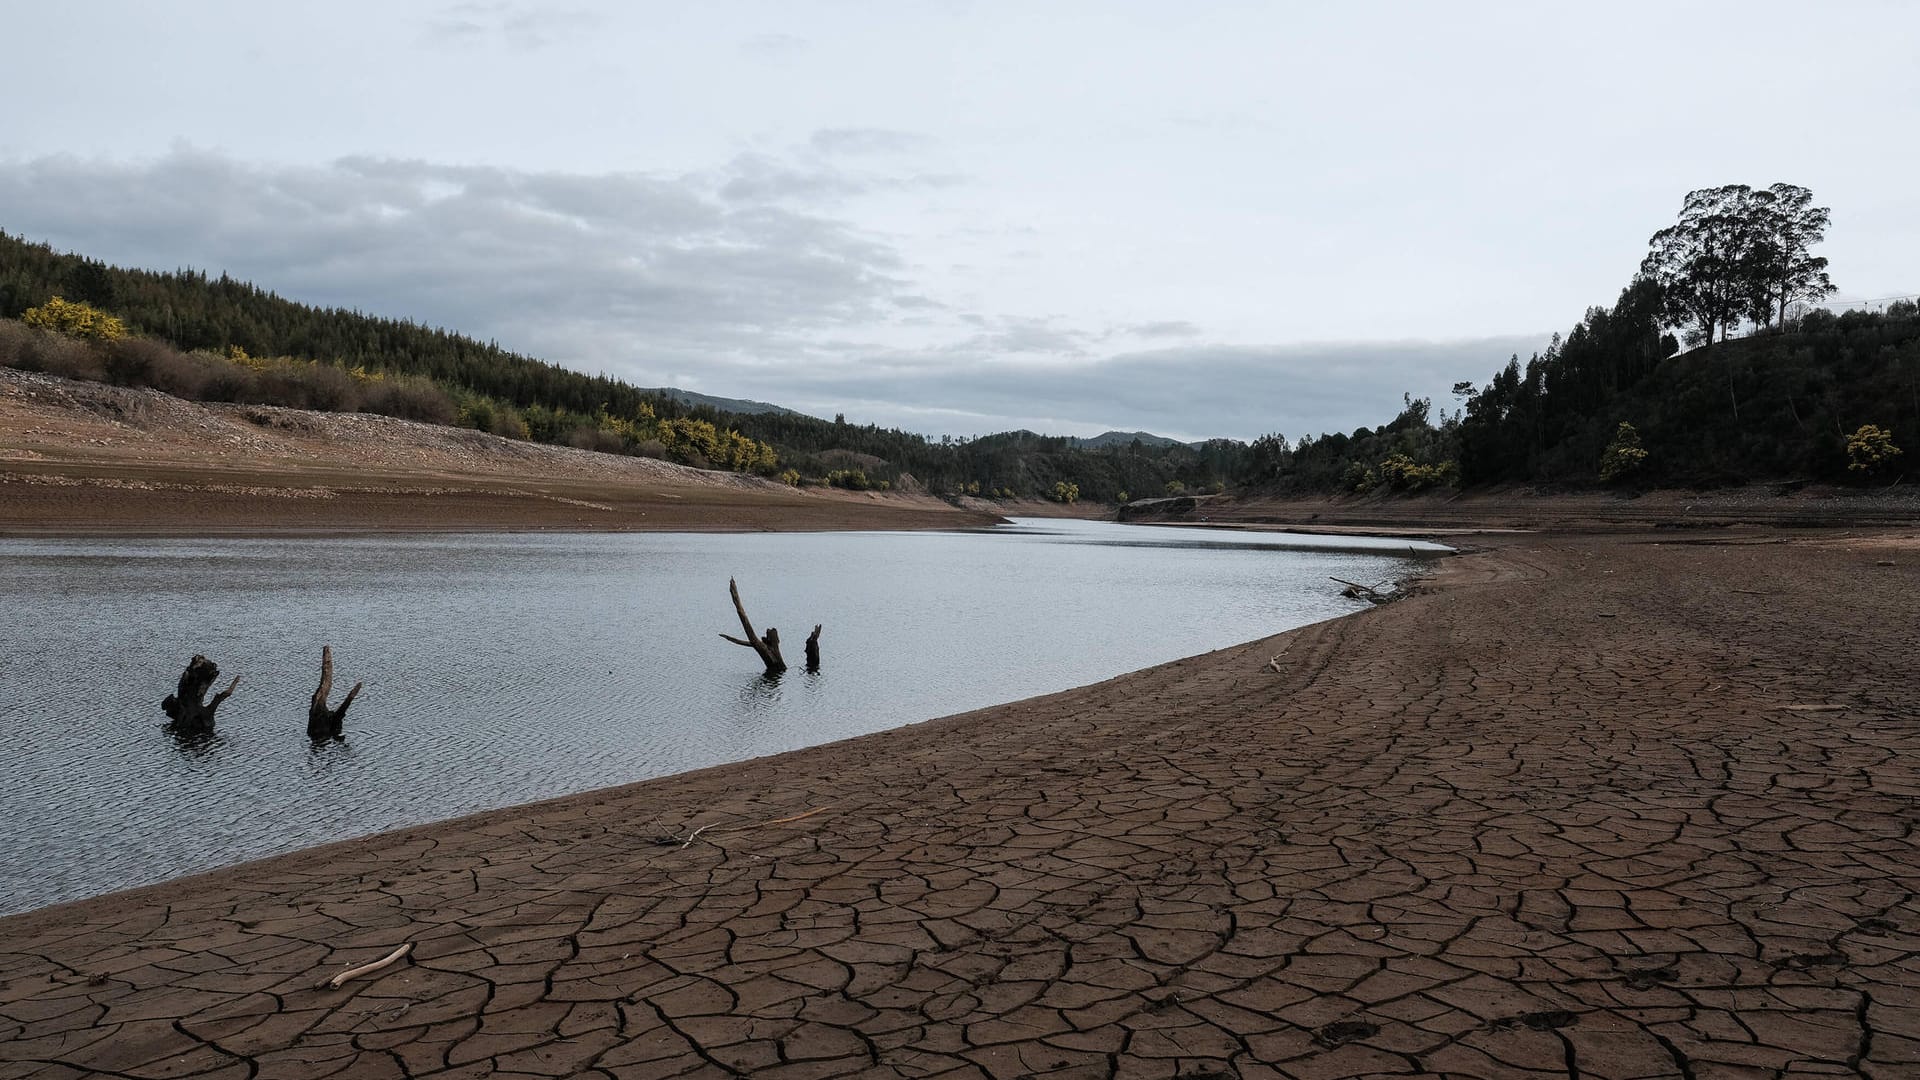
x: 1107, y: 439
x: 740, y: 406
x: 1787, y: 405
x: 84, y: 457
x: 228, y: 340
x: 1778, y: 407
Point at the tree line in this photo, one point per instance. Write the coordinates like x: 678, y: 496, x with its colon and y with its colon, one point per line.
x: 217, y: 338
x: 1784, y: 403
x: 1811, y: 395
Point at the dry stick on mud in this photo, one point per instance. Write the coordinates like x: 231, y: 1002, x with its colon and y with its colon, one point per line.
x: 322, y: 722
x: 367, y: 969
x: 185, y: 707
x: 695, y: 834
x: 768, y: 647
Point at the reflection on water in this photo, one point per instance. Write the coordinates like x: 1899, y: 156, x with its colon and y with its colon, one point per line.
x: 505, y: 668
x: 193, y: 743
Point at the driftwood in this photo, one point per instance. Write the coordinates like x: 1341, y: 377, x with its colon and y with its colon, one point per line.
x: 367, y: 969
x: 187, y: 707
x: 1370, y: 593
x: 716, y: 827
x: 768, y: 645
x: 322, y: 722
x: 813, y: 649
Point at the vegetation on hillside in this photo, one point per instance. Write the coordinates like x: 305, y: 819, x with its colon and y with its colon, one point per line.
x: 181, y: 332
x: 1814, y: 397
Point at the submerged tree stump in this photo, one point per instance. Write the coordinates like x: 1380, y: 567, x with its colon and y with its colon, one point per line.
x: 768, y: 646
x: 813, y: 649
x: 185, y: 707
x: 324, y: 723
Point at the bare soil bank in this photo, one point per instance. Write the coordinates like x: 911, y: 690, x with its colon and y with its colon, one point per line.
x: 1520, y: 509
x: 80, y: 457
x: 1601, y: 806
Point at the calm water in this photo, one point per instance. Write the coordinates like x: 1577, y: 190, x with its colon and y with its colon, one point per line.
x: 505, y: 668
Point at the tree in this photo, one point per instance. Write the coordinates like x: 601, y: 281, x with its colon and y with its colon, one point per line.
x: 1703, y: 262
x: 1783, y: 270
x: 1738, y: 252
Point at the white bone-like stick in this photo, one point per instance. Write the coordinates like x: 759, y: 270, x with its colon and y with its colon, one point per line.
x: 368, y: 969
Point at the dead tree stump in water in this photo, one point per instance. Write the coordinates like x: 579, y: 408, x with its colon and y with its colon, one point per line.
x: 324, y: 723
x: 768, y: 646
x: 185, y: 707
x: 813, y: 649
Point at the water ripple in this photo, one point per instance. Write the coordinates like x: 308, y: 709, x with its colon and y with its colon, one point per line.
x: 502, y: 669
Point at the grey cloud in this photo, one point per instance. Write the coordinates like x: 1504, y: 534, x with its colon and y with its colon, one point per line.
x: 599, y: 271
x: 1171, y: 328
x: 1191, y: 392
x: 1019, y: 334
x: 526, y: 27
x: 759, y: 177
x: 665, y: 279
x: 860, y: 141
x: 772, y: 178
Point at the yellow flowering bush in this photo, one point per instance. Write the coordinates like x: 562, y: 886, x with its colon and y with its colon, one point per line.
x: 1870, y: 448
x: 1624, y: 455
x: 79, y: 320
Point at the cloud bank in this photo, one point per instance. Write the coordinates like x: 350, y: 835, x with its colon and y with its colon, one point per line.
x: 750, y: 279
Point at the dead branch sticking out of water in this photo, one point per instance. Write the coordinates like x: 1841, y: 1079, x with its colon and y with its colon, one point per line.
x: 185, y: 707
x: 322, y: 722
x: 813, y: 649
x: 768, y: 646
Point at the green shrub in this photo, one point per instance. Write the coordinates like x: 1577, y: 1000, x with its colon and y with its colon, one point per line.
x: 1624, y: 455
x: 1870, y: 449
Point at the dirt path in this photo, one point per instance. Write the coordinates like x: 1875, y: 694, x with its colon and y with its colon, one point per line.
x: 1596, y: 807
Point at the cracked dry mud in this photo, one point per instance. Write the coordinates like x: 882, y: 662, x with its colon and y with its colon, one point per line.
x: 1483, y: 832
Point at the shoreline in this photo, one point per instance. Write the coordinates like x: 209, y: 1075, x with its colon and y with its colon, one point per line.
x: 1372, y: 821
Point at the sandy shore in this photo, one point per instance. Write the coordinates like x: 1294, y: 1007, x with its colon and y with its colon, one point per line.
x: 1591, y: 806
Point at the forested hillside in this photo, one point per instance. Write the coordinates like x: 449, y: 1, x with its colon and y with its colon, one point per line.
x: 1812, y: 397
x: 214, y: 338
x: 1808, y: 397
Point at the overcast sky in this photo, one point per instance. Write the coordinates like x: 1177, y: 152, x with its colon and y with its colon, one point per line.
x: 1192, y: 218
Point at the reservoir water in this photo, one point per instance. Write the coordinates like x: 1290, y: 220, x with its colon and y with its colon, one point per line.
x: 503, y: 668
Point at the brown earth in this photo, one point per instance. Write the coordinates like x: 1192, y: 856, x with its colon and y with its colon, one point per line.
x: 1587, y: 806
x: 82, y: 457
x: 1525, y: 509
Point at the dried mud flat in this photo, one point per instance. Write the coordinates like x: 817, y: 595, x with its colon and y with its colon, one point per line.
x: 1588, y: 807
x: 80, y: 457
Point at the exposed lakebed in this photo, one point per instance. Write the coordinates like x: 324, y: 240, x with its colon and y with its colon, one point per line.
x: 503, y: 668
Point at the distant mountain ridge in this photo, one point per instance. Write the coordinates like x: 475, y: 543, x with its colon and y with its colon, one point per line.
x: 1127, y: 438
x: 743, y: 406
